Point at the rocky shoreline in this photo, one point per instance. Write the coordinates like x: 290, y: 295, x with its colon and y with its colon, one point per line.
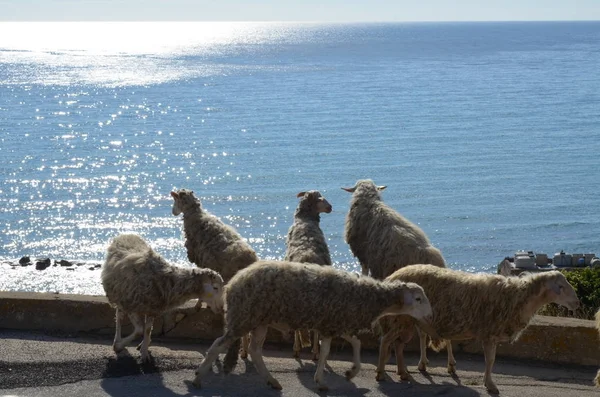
x: 44, y: 263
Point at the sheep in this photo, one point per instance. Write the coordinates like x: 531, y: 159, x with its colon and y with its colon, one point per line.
x: 210, y: 243
x: 384, y: 241
x: 381, y: 238
x: 306, y: 243
x: 487, y: 307
x: 597, y: 378
x: 287, y: 295
x: 140, y: 283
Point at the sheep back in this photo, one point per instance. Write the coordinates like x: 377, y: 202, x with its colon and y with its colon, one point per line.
x: 212, y: 244
x: 306, y: 243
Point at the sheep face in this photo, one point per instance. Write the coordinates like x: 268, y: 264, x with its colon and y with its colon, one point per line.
x: 212, y: 293
x: 561, y: 292
x: 414, y: 304
x: 315, y: 201
x: 183, y: 198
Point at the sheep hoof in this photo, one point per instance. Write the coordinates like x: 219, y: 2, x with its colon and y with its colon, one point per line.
x: 323, y: 388
x: 451, y: 369
x: 244, y: 355
x: 422, y: 367
x: 315, y: 357
x: 491, y: 388
x: 274, y: 384
x: 380, y: 377
x: 117, y: 348
x: 404, y: 375
x: 296, y: 354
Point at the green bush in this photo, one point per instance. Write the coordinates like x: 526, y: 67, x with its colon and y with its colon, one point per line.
x: 586, y: 283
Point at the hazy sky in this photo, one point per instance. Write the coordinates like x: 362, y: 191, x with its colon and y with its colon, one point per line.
x: 300, y: 10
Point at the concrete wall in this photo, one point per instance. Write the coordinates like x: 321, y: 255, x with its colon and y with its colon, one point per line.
x: 551, y: 339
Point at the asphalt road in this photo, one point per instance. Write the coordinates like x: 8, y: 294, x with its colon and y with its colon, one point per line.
x: 36, y: 365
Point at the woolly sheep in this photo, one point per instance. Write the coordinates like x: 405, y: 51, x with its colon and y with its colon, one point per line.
x: 209, y: 242
x: 486, y: 307
x: 597, y: 379
x: 287, y: 295
x: 140, y: 283
x: 306, y: 243
x: 381, y: 238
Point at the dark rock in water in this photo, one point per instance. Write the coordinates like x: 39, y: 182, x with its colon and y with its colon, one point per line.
x: 42, y: 264
x: 91, y: 268
x: 80, y: 264
x: 97, y: 265
x: 70, y: 268
x: 63, y: 262
x: 26, y: 263
x: 24, y: 260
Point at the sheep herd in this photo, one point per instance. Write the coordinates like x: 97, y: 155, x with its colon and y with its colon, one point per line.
x: 404, y: 286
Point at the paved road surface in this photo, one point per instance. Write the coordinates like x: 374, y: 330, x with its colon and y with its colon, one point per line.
x: 35, y: 365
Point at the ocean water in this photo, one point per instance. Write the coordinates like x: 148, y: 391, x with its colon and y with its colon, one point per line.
x: 487, y: 135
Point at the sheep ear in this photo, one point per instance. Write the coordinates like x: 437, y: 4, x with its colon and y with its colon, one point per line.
x: 174, y: 194
x: 301, y: 194
x: 381, y: 187
x: 349, y: 189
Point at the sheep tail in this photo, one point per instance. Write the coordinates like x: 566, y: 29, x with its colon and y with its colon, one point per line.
x: 231, y: 357
x: 437, y: 344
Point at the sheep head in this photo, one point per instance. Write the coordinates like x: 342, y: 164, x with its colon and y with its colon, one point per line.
x: 365, y: 185
x: 182, y: 199
x: 313, y: 202
x: 414, y: 303
x: 211, y: 291
x: 558, y: 290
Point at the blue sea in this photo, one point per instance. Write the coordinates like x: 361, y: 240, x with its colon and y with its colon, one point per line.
x: 487, y: 135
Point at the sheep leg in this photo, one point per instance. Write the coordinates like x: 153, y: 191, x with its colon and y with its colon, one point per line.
x: 489, y: 351
x: 315, y: 346
x: 384, y: 353
x: 451, y: 360
x: 297, y: 344
x: 256, y: 343
x: 146, y: 341
x: 119, y: 314
x: 138, y: 329
x: 220, y: 345
x: 423, y: 361
x: 400, y: 365
x: 244, y: 346
x: 325, y: 346
x: 355, y: 342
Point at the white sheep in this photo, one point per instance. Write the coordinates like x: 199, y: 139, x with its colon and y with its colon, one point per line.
x: 140, y: 283
x: 384, y: 241
x: 306, y: 243
x: 597, y: 378
x: 487, y: 307
x: 287, y: 295
x: 210, y: 243
x: 381, y: 238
